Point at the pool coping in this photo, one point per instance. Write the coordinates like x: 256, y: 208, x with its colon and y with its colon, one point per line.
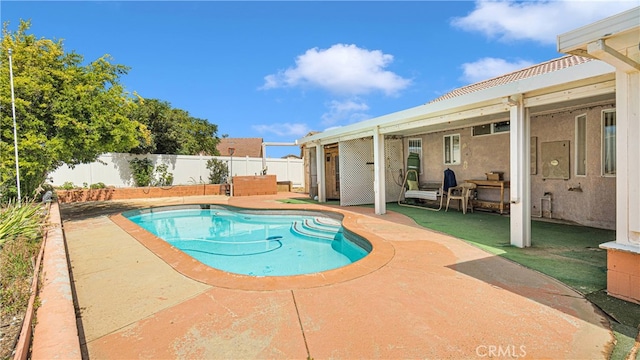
x: 382, y: 252
x: 411, y: 293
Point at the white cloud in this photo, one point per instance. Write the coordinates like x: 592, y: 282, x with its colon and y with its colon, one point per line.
x: 283, y: 129
x: 349, y: 110
x: 341, y: 69
x: 487, y: 68
x: 540, y: 21
x: 332, y: 127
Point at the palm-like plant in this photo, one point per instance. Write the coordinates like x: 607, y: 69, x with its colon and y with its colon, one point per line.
x: 20, y: 220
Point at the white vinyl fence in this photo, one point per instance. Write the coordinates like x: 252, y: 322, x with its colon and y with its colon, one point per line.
x: 113, y: 169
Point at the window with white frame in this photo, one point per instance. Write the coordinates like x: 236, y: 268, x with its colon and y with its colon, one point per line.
x: 493, y: 128
x: 581, y: 145
x: 415, y: 146
x: 609, y: 142
x: 451, y: 149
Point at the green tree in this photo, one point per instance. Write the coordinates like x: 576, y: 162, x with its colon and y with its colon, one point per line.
x: 66, y: 112
x: 156, y: 116
x: 198, y: 135
x: 174, y: 131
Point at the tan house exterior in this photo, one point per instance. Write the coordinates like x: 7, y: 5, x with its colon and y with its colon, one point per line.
x: 586, y: 197
x: 563, y: 133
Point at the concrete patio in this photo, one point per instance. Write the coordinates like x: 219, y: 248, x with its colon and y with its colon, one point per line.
x: 420, y: 294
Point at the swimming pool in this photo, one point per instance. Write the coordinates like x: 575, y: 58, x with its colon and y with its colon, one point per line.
x: 255, y: 242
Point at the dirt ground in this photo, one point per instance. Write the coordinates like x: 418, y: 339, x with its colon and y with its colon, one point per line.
x: 10, y: 327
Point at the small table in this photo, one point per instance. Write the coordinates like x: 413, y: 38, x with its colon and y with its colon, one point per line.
x: 501, y: 205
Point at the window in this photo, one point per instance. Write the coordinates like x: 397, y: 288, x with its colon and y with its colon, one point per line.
x: 581, y: 145
x: 502, y: 126
x: 452, y: 149
x: 493, y: 128
x: 608, y: 142
x: 478, y: 130
x: 415, y: 146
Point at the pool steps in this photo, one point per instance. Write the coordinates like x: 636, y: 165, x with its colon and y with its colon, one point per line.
x: 316, y: 228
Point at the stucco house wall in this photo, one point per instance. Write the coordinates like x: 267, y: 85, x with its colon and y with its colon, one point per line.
x: 478, y: 155
x: 595, y: 203
x: 593, y: 206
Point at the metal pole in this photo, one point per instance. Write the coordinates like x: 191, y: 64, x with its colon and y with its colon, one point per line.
x: 231, y: 151
x: 15, y: 131
x: 231, y: 177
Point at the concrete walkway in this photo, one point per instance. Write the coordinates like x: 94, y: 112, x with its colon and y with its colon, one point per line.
x: 420, y: 295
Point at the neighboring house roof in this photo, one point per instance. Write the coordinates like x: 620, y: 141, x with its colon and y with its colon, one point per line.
x: 534, y: 70
x: 251, y: 147
x: 291, y: 156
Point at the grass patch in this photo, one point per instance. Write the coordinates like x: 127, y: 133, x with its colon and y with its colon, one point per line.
x: 616, y: 308
x: 20, y: 236
x: 304, y: 200
x: 16, y: 273
x: 625, y: 340
x: 20, y: 239
x: 297, y: 201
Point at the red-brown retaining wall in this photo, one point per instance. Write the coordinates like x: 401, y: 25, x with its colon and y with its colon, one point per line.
x: 81, y: 195
x: 255, y: 185
x: 55, y: 335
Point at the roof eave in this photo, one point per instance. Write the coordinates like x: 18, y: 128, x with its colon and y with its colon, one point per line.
x: 464, y: 102
x: 575, y: 41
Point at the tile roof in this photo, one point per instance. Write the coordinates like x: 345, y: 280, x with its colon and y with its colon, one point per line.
x: 251, y: 147
x: 534, y: 70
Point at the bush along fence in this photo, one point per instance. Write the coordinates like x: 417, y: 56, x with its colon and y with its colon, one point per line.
x: 116, y: 170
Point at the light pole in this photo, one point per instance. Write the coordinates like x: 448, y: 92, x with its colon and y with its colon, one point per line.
x: 15, y: 131
x: 231, y: 151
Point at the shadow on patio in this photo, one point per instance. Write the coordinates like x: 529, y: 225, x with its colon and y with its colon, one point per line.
x: 567, y: 252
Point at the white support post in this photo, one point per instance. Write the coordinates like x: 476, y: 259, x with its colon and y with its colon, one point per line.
x: 380, y: 204
x: 322, y: 192
x: 627, y: 164
x: 520, y: 189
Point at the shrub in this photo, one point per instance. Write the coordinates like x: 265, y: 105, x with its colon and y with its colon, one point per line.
x: 19, y: 220
x: 165, y: 178
x: 142, y: 171
x: 218, y: 171
x: 99, y: 185
x: 68, y: 185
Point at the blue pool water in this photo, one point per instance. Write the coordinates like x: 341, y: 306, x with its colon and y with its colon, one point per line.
x: 255, y: 243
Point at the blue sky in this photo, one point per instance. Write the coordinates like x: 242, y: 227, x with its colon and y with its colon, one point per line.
x: 278, y: 70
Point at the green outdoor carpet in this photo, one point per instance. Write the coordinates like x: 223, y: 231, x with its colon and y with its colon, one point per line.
x: 568, y: 253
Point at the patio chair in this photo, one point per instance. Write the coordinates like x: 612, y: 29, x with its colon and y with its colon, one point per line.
x: 464, y: 194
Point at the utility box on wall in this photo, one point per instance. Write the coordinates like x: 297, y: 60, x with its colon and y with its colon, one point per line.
x: 555, y: 160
